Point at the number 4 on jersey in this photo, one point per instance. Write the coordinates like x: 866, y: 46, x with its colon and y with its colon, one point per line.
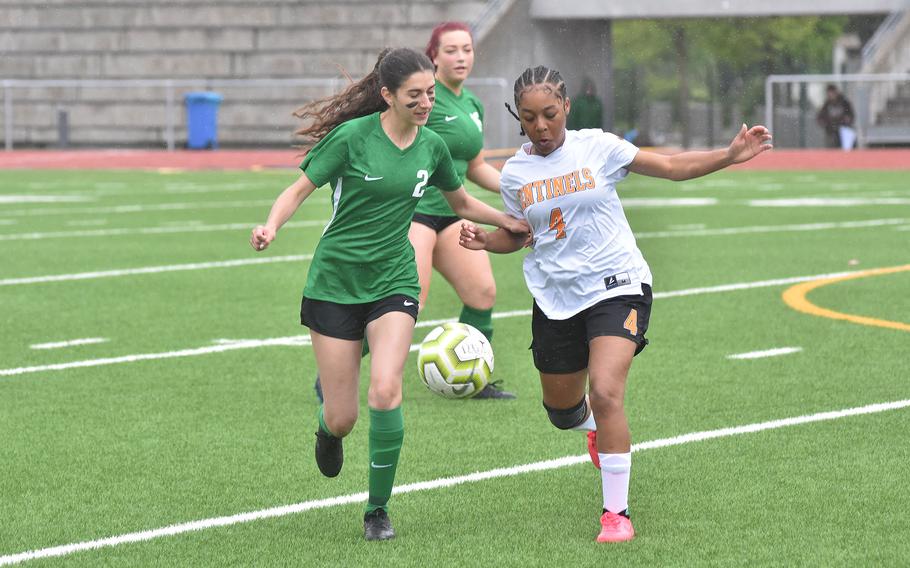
x: 557, y: 223
x: 631, y: 323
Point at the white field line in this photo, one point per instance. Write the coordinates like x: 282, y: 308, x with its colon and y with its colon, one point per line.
x: 5, y: 199
x: 182, y: 223
x: 154, y: 269
x: 440, y: 483
x: 766, y: 353
x: 229, y: 345
x: 167, y: 230
x: 635, y: 202
x: 139, y: 208
x: 690, y: 227
x: 700, y: 232
x: 828, y: 202
x: 70, y: 343
x: 219, y: 348
x: 289, y: 341
x: 434, y: 323
x: 703, y: 183
x: 87, y: 223
x: 56, y: 184
x: 180, y: 187
x: 749, y: 285
x: 772, y: 229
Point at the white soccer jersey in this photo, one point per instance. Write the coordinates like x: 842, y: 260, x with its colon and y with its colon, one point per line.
x: 583, y: 250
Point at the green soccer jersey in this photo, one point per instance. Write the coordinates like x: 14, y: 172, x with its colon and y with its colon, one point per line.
x: 459, y: 120
x: 364, y: 253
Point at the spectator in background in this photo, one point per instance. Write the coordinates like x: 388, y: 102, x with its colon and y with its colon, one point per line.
x: 587, y: 108
x: 836, y: 113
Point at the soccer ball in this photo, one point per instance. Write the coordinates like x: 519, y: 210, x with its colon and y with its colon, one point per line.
x: 455, y: 360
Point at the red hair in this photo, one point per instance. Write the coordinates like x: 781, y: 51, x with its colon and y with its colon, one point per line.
x: 433, y: 45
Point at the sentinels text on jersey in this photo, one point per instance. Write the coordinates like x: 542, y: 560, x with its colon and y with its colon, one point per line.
x: 583, y: 249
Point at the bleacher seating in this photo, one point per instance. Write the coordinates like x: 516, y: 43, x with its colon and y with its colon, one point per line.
x: 172, y: 39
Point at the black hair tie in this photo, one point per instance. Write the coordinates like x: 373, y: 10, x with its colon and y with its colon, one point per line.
x: 521, y: 131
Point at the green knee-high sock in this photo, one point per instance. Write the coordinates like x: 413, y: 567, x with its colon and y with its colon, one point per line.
x: 481, y: 319
x: 322, y: 425
x: 386, y: 434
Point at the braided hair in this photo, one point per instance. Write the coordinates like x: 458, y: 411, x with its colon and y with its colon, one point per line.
x: 550, y: 79
x: 393, y: 67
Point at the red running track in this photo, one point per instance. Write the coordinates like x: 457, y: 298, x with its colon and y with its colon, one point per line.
x: 149, y: 159
x: 884, y: 159
x: 878, y: 159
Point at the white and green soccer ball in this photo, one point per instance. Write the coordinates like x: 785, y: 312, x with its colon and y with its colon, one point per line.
x: 455, y: 360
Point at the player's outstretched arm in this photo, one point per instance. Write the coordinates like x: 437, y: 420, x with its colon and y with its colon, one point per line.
x: 483, y: 174
x: 747, y: 144
x: 288, y: 202
x: 473, y: 209
x: 501, y: 241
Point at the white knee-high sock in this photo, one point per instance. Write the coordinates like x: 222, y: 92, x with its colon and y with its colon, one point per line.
x: 615, y: 470
x: 588, y: 425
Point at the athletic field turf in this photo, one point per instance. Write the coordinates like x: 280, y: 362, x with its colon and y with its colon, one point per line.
x: 184, y: 397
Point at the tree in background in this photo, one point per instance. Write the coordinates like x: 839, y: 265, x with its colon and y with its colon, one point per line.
x: 725, y: 60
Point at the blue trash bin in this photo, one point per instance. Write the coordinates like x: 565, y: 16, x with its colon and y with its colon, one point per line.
x: 202, y: 119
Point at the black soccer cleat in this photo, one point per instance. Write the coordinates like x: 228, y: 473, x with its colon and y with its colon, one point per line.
x: 493, y: 390
x: 377, y: 526
x: 318, y: 388
x: 329, y: 454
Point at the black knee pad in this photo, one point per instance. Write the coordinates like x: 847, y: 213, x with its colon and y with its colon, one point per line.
x: 568, y: 418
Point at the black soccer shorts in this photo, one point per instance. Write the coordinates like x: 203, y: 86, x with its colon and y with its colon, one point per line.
x: 349, y: 321
x: 562, y: 346
x: 438, y: 223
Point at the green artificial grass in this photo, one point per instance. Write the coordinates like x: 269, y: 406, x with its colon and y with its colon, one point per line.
x: 99, y: 451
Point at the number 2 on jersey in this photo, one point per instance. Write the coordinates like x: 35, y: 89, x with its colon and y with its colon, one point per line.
x: 419, y: 188
x: 557, y: 223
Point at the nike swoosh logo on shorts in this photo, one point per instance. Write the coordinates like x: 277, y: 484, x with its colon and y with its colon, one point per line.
x: 378, y: 466
x: 408, y: 304
x: 368, y: 178
x: 450, y: 118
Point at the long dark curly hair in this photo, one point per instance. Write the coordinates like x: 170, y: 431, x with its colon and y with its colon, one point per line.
x: 393, y: 67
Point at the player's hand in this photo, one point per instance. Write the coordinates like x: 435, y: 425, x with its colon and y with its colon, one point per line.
x: 518, y: 226
x: 472, y: 237
x: 261, y: 237
x: 749, y: 143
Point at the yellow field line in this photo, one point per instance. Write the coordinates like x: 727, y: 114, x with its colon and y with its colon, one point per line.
x: 795, y: 297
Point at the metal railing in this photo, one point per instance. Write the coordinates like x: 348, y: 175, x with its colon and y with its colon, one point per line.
x: 864, y: 118
x: 170, y: 86
x: 888, y: 51
x: 487, y: 20
x: 884, y: 30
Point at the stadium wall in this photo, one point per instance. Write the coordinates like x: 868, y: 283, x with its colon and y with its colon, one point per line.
x: 169, y: 39
x: 576, y: 48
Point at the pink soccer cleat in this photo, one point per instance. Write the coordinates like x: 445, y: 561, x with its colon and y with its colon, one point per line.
x: 615, y: 528
x: 592, y: 448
